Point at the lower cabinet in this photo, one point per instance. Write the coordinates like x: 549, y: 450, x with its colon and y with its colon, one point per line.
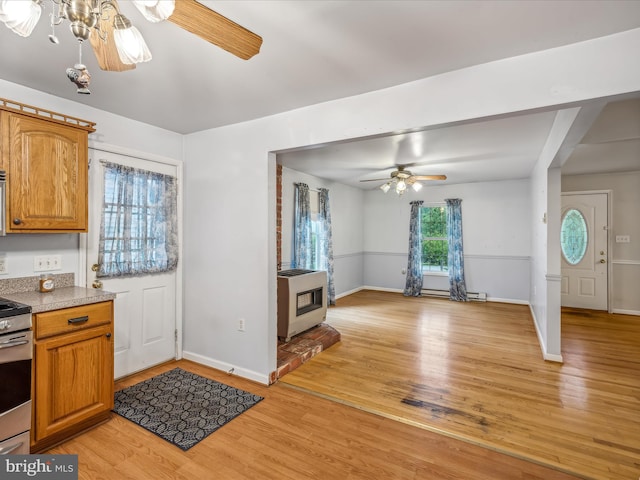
x: 73, y: 372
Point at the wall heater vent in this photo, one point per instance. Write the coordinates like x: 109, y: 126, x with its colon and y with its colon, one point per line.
x: 474, y: 296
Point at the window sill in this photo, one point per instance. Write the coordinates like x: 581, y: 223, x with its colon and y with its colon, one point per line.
x: 426, y: 273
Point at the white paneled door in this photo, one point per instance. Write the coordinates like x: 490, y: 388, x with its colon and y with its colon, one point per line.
x: 584, y: 244
x: 145, y: 306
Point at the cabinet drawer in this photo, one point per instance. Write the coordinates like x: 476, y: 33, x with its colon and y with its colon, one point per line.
x: 72, y: 319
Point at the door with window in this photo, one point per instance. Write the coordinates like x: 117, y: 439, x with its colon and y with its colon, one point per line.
x: 125, y: 255
x: 584, y: 245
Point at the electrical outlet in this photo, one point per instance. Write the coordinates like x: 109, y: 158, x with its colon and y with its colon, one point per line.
x: 47, y: 263
x: 3, y: 265
x: 241, y: 324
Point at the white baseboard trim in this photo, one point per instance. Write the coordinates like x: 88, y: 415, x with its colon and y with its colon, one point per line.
x: 551, y: 357
x: 227, y: 367
x: 397, y: 290
x: 350, y: 292
x: 382, y: 289
x: 507, y: 300
x: 625, y: 312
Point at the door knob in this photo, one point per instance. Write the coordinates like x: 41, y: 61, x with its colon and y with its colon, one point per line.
x: 602, y: 260
x: 95, y: 267
x: 96, y: 284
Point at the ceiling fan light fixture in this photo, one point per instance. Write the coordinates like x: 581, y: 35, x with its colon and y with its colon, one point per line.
x: 401, y: 186
x: 417, y: 186
x: 155, y: 10
x: 385, y: 187
x: 19, y: 16
x: 129, y: 42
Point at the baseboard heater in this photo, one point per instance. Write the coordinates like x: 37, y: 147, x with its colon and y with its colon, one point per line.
x: 474, y: 296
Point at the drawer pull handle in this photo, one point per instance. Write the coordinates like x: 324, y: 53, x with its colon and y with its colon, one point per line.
x: 75, y: 321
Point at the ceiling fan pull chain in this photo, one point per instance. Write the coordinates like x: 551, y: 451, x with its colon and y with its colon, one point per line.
x: 79, y: 73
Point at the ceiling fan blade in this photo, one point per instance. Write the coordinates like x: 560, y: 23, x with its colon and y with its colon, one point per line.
x: 376, y: 180
x: 215, y: 28
x: 105, y: 50
x: 429, y: 177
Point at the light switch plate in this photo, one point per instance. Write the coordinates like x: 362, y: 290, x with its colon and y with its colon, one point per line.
x: 47, y: 263
x: 623, y: 239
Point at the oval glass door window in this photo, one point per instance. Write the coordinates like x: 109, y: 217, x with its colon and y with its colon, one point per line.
x: 573, y: 236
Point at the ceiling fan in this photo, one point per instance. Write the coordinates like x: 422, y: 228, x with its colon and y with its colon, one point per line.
x: 402, y: 179
x: 193, y: 17
x: 117, y: 45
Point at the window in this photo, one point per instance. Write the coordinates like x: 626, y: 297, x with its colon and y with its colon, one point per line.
x: 138, y: 233
x: 573, y: 236
x: 435, y: 247
x: 315, y: 242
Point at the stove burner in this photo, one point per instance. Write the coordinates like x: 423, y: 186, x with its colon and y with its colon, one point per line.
x: 9, y: 308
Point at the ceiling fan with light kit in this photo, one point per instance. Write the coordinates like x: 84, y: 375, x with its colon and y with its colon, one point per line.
x: 401, y: 179
x: 117, y: 44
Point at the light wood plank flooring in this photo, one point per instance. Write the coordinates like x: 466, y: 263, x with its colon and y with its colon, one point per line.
x: 475, y: 371
x: 290, y: 435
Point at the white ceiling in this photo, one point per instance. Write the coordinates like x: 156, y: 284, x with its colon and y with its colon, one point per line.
x: 503, y: 149
x: 491, y: 150
x: 314, y: 51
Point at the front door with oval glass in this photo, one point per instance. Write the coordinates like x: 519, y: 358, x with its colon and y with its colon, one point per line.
x: 584, y: 246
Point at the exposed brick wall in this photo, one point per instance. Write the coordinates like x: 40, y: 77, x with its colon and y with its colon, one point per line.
x: 279, y: 215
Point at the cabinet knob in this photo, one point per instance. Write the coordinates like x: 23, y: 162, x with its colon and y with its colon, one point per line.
x: 108, y: 335
x: 96, y: 284
x: 17, y: 221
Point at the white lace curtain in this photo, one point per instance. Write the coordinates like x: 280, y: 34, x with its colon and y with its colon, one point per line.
x: 138, y: 230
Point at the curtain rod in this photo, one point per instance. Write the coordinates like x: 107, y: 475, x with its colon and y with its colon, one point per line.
x: 310, y: 189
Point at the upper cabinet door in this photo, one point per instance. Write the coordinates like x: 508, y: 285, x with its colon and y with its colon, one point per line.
x: 47, y: 167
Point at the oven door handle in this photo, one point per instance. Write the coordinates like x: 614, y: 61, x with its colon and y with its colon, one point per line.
x: 13, y: 343
x: 10, y: 448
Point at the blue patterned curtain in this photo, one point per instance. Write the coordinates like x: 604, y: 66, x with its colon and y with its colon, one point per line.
x: 413, y: 287
x: 301, y: 228
x: 326, y: 244
x: 139, y: 223
x: 457, y: 287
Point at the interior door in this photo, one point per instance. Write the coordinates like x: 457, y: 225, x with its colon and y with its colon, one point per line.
x: 584, y: 242
x: 145, y: 316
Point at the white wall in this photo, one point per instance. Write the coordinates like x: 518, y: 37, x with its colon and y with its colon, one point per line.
x: 624, y: 257
x: 230, y: 261
x: 110, y: 129
x: 496, y: 234
x: 347, y: 226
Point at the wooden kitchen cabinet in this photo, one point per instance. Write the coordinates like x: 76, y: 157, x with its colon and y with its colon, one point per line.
x: 73, y: 372
x: 45, y: 156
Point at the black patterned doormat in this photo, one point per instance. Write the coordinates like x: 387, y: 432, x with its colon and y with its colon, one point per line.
x: 182, y: 407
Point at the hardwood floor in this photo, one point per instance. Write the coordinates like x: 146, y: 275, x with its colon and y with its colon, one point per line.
x: 290, y: 435
x: 474, y: 371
